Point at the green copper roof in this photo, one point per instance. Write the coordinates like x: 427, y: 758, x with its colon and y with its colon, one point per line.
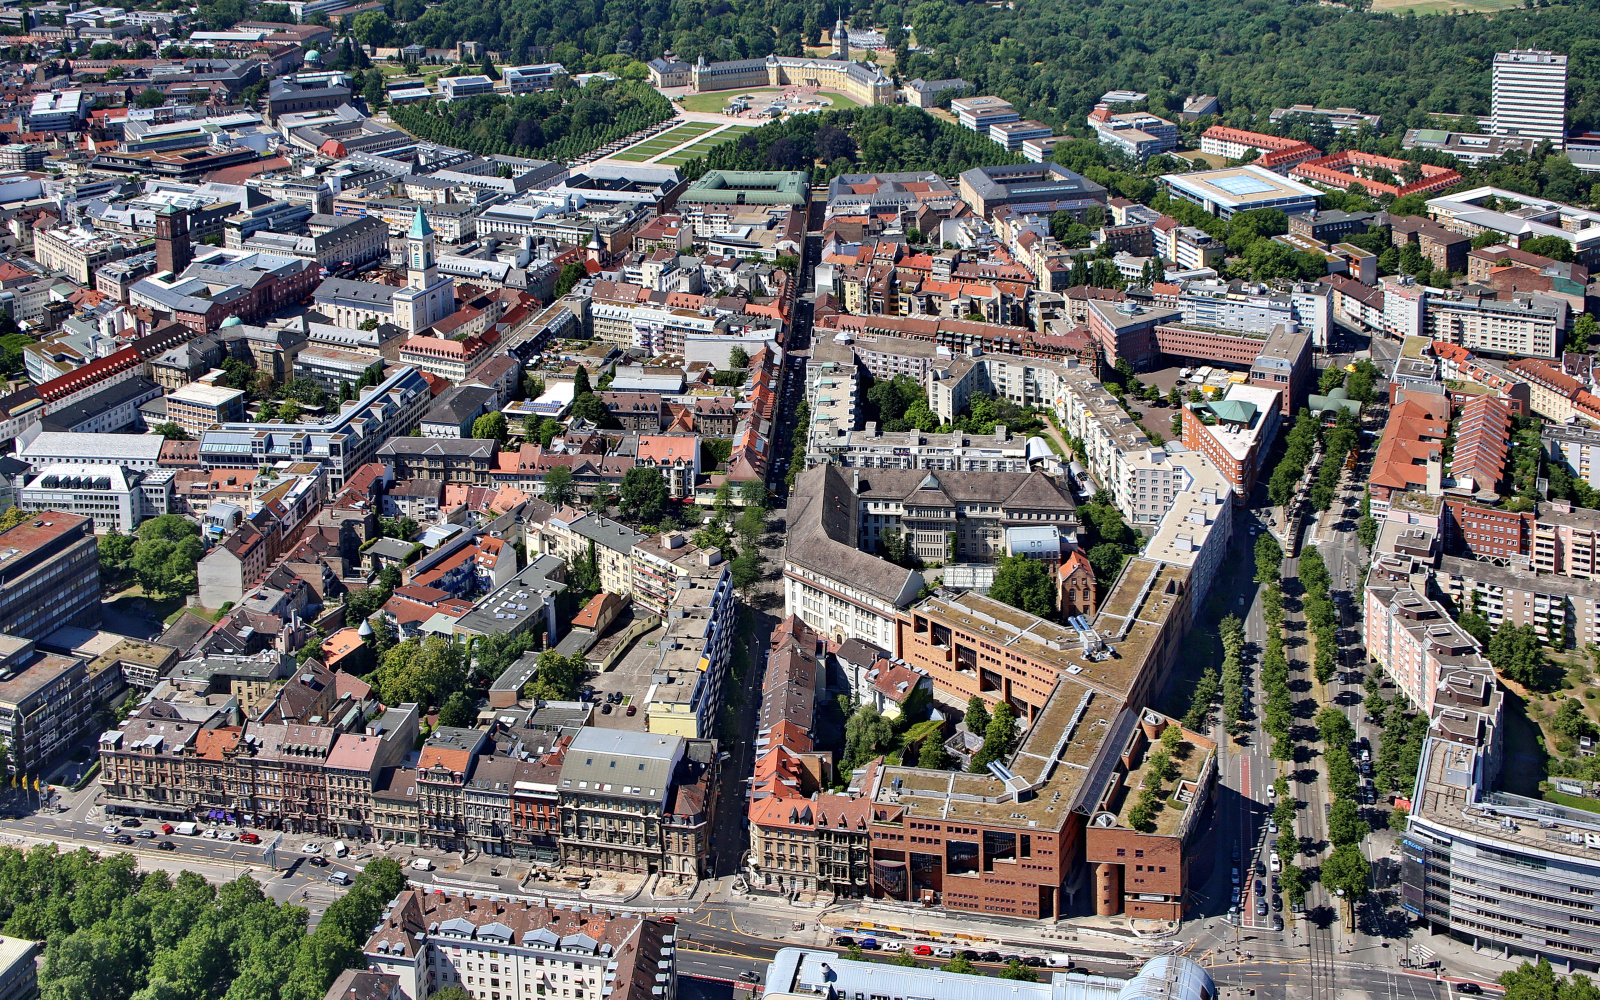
x: 419, y: 226
x: 1233, y: 411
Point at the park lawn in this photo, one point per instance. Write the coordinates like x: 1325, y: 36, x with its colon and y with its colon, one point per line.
x: 717, y: 100
x: 634, y: 156
x: 1445, y: 6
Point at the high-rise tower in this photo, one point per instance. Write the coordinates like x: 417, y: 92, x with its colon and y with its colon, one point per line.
x: 1530, y: 95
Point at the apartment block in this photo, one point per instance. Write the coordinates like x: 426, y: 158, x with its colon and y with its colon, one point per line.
x: 1413, y: 637
x: 433, y: 940
x: 626, y: 799
x: 1577, y: 446
x: 1526, y: 326
x: 1563, y: 610
x: 696, y: 651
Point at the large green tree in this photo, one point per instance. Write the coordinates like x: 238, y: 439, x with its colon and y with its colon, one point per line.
x: 1026, y: 584
x: 642, y: 498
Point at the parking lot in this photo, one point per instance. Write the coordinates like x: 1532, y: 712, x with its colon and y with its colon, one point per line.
x: 629, y: 677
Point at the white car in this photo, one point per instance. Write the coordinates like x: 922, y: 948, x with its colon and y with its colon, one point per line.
x: 210, y: 835
x: 312, y: 849
x: 1276, y: 864
x: 227, y: 835
x: 422, y: 865
x: 109, y: 829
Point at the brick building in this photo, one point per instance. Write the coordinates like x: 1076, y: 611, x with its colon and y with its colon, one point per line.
x: 1143, y: 874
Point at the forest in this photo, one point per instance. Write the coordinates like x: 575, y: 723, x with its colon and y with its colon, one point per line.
x: 890, y: 138
x: 1055, y: 58
x: 552, y: 125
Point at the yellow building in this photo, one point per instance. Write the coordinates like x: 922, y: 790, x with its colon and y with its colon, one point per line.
x: 863, y: 82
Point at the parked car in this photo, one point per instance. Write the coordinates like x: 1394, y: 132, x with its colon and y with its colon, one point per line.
x: 633, y: 709
x: 892, y: 945
x: 210, y: 834
x: 924, y: 950
x: 130, y: 821
x: 1261, y: 887
x: 869, y: 944
x: 1235, y: 876
x: 422, y: 865
x: 311, y: 849
x: 1261, y: 907
x: 943, y: 951
x: 605, y: 709
x: 989, y: 956
x: 843, y: 941
x: 1277, y: 922
x: 250, y: 838
x: 749, y: 976
x: 227, y: 835
x: 1033, y: 961
x: 1277, y: 903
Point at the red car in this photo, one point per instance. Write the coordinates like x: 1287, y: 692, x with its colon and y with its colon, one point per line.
x: 633, y: 709
x: 922, y: 949
x: 249, y: 838
x: 166, y: 827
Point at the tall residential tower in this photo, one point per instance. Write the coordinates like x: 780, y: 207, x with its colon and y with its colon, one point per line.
x: 1530, y: 95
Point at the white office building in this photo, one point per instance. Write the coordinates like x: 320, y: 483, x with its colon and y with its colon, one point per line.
x: 115, y: 496
x: 1530, y: 95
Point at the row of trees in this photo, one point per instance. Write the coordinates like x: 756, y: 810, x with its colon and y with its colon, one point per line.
x: 1322, y: 615
x: 560, y: 124
x: 1346, y: 870
x: 1300, y: 443
x: 1231, y: 631
x: 1338, y: 442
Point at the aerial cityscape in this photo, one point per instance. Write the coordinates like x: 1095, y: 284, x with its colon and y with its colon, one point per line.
x: 686, y: 500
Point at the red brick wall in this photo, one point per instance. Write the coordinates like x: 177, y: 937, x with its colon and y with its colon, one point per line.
x: 1150, y: 864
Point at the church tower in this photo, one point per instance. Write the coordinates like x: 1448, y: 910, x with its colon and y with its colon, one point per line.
x: 173, y: 249
x: 841, y: 41
x: 428, y: 297
x: 423, y: 271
